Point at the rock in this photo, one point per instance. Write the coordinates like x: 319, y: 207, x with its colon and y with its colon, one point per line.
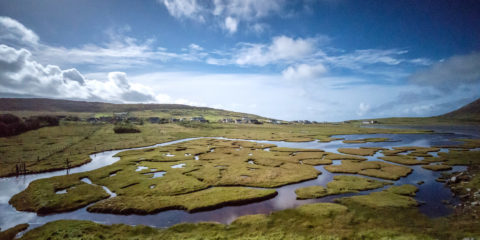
x: 420, y: 182
x: 476, y: 203
x: 453, y: 179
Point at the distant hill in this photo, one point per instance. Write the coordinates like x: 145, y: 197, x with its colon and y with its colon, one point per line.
x: 56, y: 105
x: 68, y: 106
x: 470, y: 111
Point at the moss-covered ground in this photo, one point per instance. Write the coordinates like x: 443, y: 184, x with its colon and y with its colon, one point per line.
x: 340, y: 184
x: 49, y: 148
x: 190, y: 170
x: 371, y: 168
x: 363, y: 151
x: 390, y: 214
x: 365, y: 140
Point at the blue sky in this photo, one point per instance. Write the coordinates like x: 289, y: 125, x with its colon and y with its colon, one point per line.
x: 325, y: 60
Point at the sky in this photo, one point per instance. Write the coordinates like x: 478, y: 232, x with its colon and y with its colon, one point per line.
x: 323, y: 60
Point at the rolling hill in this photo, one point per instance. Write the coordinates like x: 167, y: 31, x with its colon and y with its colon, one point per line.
x: 470, y: 111
x: 33, y: 106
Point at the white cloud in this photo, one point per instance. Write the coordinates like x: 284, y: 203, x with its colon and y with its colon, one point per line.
x: 282, y: 49
x: 120, y: 51
x: 451, y: 73
x: 195, y: 47
x: 231, y: 24
x: 359, y: 58
x: 185, y: 9
x: 363, y: 108
x: 227, y: 13
x: 11, y: 29
x: 19, y: 74
x: 247, y: 10
x: 304, y: 71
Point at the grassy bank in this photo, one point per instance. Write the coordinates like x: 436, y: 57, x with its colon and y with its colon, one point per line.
x: 394, y: 217
x: 71, y: 143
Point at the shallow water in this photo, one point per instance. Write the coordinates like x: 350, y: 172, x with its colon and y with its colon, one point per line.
x: 431, y: 192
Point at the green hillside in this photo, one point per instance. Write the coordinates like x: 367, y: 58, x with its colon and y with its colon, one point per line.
x: 34, y: 106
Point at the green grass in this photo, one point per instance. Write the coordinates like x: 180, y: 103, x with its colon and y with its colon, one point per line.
x: 351, y: 219
x: 439, y: 167
x: 48, y: 148
x: 196, y: 201
x: 365, y: 140
x: 10, y: 233
x: 371, y: 168
x: 396, y: 196
x: 403, y: 159
x: 363, y: 151
x: 340, y: 184
x: 40, y: 196
x: 231, y: 163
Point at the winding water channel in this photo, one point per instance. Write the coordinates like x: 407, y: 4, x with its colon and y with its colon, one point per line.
x: 433, y: 194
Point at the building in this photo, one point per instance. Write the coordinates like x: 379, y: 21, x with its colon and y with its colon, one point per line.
x: 154, y: 119
x: 227, y: 120
x: 198, y: 119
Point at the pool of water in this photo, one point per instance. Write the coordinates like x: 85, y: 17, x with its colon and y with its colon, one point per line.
x: 432, y: 194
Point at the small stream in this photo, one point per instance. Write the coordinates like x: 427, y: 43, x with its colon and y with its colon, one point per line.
x: 431, y: 193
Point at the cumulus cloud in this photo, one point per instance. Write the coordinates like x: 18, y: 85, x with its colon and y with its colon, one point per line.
x: 227, y: 13
x: 304, y: 71
x: 119, y: 51
x: 231, y: 24
x: 185, y: 9
x: 451, y: 73
x: 11, y: 29
x: 247, y: 9
x: 281, y: 49
x: 363, y: 108
x: 20, y: 74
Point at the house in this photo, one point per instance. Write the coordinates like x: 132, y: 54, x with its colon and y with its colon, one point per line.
x: 246, y: 120
x: 154, y: 119
x: 369, y: 122
x: 198, y: 119
x: 255, y: 121
x: 227, y: 120
x: 133, y: 119
x: 238, y: 121
x: 105, y: 119
x: 273, y: 121
x: 120, y: 116
x: 92, y: 120
x: 174, y: 120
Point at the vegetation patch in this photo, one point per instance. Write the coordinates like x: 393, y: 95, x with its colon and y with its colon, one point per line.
x: 220, y: 163
x: 340, y: 184
x: 363, y: 151
x: 403, y: 159
x: 125, y: 128
x: 197, y: 201
x: 371, y: 168
x: 437, y: 167
x: 40, y: 196
x: 392, y: 197
x: 455, y: 157
x: 365, y: 140
x: 11, y: 233
x: 48, y: 148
